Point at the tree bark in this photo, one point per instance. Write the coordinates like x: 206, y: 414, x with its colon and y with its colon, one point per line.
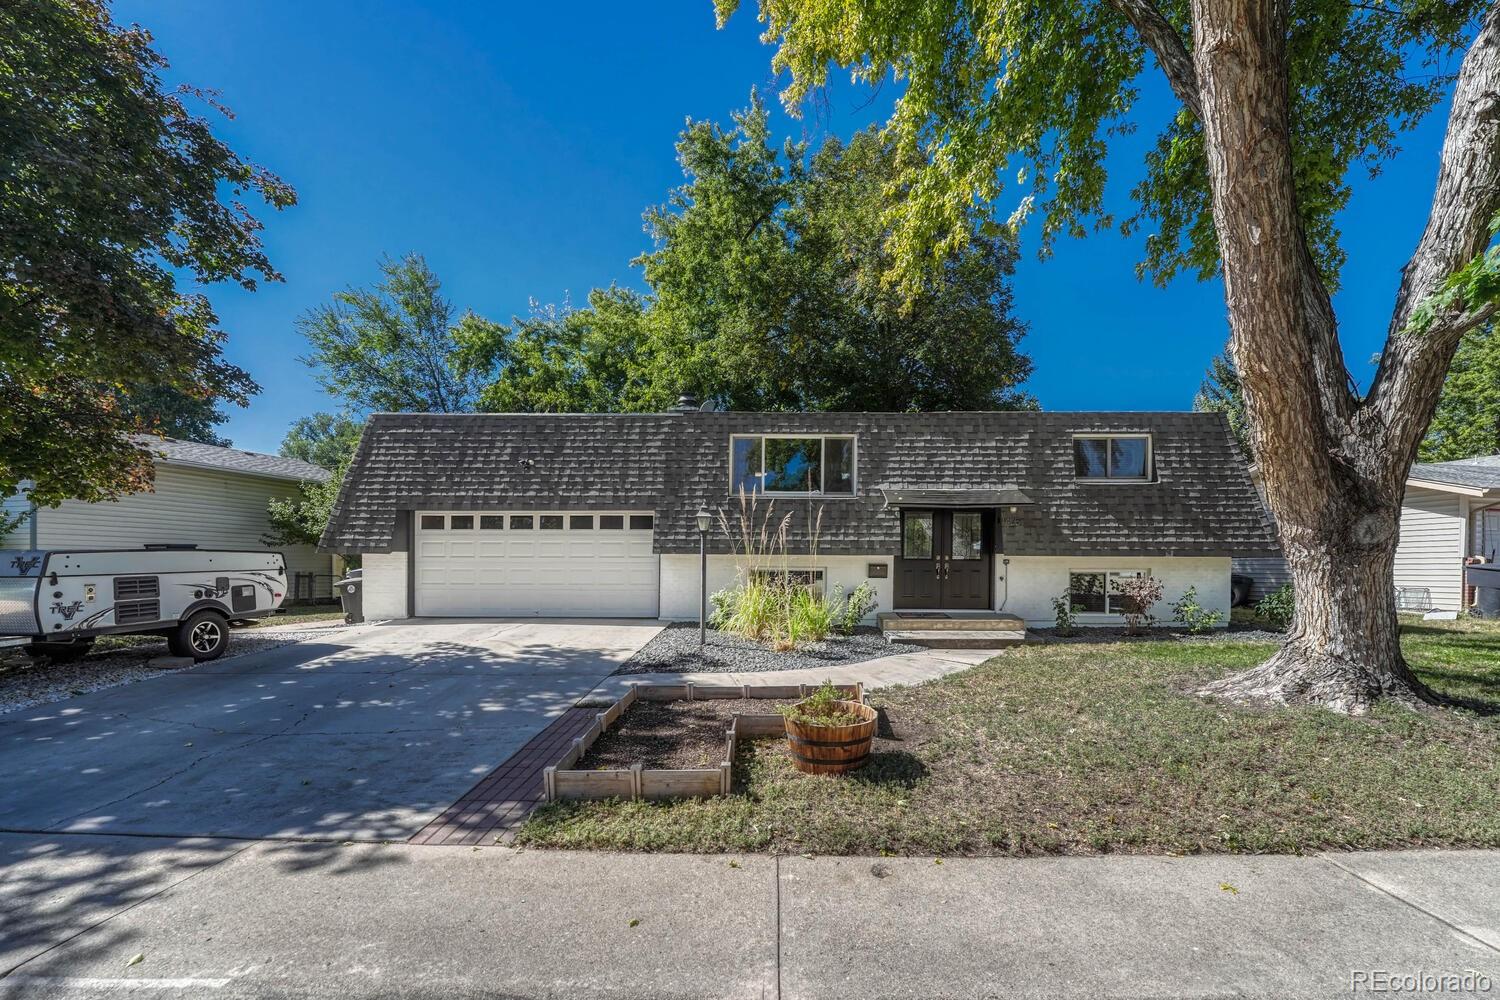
x: 1333, y: 466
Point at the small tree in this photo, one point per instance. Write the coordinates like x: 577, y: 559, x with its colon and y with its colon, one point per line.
x: 1140, y: 594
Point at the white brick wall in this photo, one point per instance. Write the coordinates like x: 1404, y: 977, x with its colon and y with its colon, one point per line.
x: 679, y: 579
x: 384, y: 585
x: 1036, y: 580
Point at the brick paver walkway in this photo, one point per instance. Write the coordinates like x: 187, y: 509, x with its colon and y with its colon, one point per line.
x: 495, y: 808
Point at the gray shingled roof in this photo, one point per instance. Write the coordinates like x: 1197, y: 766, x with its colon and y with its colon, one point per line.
x: 250, y: 463
x: 1479, y: 473
x: 1202, y: 504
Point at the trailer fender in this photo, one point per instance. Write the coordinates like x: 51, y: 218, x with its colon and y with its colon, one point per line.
x: 205, y: 605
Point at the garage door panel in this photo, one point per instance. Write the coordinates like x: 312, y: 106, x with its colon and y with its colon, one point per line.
x: 516, y: 571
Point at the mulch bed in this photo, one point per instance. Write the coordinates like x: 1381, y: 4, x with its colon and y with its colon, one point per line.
x: 672, y: 734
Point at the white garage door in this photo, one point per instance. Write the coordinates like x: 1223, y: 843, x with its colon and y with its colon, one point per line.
x: 536, y: 563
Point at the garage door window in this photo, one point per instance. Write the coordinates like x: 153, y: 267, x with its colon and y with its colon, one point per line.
x: 491, y: 522
x: 520, y: 522
x: 642, y: 522
x: 581, y: 522
x: 552, y: 522
x: 611, y: 522
x: 461, y: 522
x: 432, y: 522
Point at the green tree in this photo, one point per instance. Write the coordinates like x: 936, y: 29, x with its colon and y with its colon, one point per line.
x: 767, y: 293
x: 1221, y: 393
x: 177, y: 414
x: 1278, y: 100
x: 1467, y: 422
x: 112, y: 191
x: 301, y: 520
x: 325, y: 439
x: 391, y: 347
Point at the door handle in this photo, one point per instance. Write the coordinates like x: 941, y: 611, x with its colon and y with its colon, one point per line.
x: 948, y: 568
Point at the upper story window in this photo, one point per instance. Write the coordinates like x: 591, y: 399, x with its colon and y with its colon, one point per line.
x: 1120, y: 457
x: 802, y: 464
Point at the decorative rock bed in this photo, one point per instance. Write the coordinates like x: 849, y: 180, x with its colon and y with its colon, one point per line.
x: 565, y: 780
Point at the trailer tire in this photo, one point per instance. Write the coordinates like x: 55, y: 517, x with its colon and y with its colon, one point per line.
x: 203, y: 636
x: 59, y: 652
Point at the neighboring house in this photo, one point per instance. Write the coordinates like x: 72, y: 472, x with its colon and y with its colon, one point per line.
x: 1449, y: 513
x: 595, y: 515
x: 205, y: 495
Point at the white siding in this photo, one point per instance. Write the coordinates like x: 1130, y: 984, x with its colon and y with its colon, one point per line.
x: 1430, y: 553
x: 213, y: 510
x: 384, y: 587
x: 1036, y: 580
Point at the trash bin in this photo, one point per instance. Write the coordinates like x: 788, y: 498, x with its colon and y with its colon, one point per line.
x: 351, y: 596
x: 1485, y: 579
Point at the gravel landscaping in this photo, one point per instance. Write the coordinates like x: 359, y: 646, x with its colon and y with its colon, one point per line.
x: 675, y: 650
x: 672, y: 734
x: 26, y: 683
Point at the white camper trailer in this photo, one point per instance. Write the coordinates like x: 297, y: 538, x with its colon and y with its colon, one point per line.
x: 60, y: 600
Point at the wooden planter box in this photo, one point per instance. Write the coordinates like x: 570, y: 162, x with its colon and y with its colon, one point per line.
x: 563, y: 781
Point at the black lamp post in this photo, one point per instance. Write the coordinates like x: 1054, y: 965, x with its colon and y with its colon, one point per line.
x: 705, y: 521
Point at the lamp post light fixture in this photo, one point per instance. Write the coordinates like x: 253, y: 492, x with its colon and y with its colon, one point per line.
x: 705, y: 521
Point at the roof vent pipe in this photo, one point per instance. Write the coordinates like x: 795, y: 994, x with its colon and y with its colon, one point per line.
x: 686, y: 403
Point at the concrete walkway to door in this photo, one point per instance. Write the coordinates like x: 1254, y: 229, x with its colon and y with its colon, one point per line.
x: 366, y: 734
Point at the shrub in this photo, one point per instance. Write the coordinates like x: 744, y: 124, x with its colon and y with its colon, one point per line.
x: 810, y: 616
x: 1064, y: 614
x: 1141, y: 594
x: 1193, y: 615
x: 721, y: 604
x: 1277, y: 607
x: 824, y: 707
x: 860, y: 602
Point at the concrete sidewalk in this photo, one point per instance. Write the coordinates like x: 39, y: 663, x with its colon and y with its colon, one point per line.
x: 883, y: 671
x: 235, y: 919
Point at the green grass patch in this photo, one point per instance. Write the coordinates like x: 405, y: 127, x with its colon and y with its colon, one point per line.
x: 1082, y: 749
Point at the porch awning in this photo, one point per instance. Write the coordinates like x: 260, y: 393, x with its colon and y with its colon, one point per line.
x: 941, y: 496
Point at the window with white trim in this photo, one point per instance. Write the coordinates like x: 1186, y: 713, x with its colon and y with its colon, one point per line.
x: 1096, y: 591
x: 1112, y: 457
x: 799, y: 464
x: 812, y: 579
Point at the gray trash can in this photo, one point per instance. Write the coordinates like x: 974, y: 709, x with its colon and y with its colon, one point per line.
x: 1485, y: 579
x: 351, y: 596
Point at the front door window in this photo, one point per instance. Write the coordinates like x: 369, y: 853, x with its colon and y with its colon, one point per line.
x: 945, y: 560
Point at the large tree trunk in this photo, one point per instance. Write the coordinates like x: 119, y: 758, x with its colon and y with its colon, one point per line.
x: 1333, y: 465
x: 1343, y: 650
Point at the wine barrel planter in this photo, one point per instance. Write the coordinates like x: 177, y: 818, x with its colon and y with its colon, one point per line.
x: 832, y: 749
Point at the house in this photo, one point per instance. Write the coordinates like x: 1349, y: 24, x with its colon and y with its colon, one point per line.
x: 205, y: 495
x: 1450, y: 513
x: 596, y: 514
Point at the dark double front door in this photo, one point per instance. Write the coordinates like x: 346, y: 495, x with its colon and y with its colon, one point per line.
x: 945, y: 559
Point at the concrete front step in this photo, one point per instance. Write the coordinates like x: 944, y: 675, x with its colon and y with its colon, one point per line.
x: 952, y: 621
x: 992, y: 638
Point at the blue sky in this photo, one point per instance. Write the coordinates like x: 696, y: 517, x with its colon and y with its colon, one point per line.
x: 516, y: 145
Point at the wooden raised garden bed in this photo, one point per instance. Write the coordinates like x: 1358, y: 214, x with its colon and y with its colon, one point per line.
x: 565, y: 780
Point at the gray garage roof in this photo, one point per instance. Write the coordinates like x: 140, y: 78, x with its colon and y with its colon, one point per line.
x: 250, y: 463
x: 1202, y: 502
x: 1475, y: 473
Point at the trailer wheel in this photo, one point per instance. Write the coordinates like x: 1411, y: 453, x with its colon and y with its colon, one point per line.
x: 59, y: 652
x: 204, y: 636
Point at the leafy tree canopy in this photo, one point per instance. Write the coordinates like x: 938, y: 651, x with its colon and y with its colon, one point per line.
x: 1467, y: 423
x: 177, y: 414
x: 767, y: 293
x: 110, y: 188
x: 1036, y: 90
x: 390, y: 347
x: 325, y: 439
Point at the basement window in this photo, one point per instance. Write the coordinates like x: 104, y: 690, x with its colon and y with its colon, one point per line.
x: 1093, y: 592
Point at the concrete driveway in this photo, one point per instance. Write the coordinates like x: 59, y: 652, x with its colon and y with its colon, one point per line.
x: 365, y: 735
